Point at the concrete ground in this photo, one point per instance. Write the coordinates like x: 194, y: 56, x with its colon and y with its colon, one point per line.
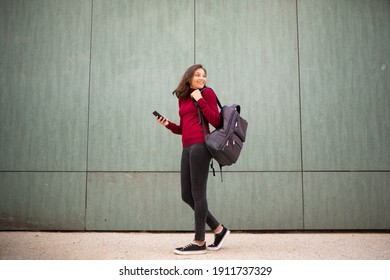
x: 159, y: 246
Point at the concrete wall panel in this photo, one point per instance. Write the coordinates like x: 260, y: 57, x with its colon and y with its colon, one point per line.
x: 136, y: 201
x: 42, y: 201
x: 258, y: 200
x: 250, y: 51
x: 347, y: 200
x: 44, y: 76
x: 139, y: 51
x: 345, y: 84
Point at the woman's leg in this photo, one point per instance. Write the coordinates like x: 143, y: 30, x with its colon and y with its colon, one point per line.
x: 194, y: 174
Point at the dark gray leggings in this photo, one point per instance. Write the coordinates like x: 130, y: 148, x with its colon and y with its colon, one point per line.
x: 195, y: 162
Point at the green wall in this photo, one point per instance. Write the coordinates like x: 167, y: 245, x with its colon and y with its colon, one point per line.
x: 80, y: 150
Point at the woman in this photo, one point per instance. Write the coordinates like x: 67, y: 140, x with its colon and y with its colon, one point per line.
x: 195, y: 157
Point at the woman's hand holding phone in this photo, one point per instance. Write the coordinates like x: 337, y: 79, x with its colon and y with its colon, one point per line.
x: 162, y: 120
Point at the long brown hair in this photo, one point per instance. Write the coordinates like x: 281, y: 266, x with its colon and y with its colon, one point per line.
x: 183, y: 89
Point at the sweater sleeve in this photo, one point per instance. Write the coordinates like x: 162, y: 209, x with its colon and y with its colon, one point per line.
x: 209, y: 107
x: 176, y: 129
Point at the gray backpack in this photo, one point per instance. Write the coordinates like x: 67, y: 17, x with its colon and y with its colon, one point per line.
x: 225, y: 142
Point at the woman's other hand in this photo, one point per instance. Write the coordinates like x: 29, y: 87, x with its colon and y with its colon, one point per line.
x: 196, y: 95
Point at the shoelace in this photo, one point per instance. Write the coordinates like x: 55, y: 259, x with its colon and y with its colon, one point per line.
x: 188, y: 246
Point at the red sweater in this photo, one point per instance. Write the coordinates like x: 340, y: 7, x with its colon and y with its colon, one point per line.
x: 190, y: 129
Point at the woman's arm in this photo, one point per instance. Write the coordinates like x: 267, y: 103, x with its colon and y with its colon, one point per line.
x: 176, y: 129
x: 209, y: 107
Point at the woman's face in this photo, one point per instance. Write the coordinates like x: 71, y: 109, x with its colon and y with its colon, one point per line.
x: 198, y: 81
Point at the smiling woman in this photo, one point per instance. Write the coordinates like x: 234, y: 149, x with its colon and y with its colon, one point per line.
x: 194, y: 74
x: 198, y: 80
x: 195, y: 156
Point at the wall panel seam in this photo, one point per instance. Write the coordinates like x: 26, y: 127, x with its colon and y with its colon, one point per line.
x: 300, y: 113
x: 194, y: 31
x: 88, y: 119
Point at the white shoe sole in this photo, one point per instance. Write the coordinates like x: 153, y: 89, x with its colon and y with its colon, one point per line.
x: 220, y: 243
x: 200, y: 252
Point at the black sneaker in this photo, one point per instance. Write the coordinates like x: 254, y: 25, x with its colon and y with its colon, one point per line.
x: 191, y: 249
x: 219, y: 239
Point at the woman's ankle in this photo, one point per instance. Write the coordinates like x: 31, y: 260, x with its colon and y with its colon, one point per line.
x: 199, y: 243
x: 218, y: 230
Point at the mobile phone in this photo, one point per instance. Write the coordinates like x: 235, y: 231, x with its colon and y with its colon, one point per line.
x: 157, y: 114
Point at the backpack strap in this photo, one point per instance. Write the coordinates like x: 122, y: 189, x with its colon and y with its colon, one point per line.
x: 201, y: 120
x: 202, y: 123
